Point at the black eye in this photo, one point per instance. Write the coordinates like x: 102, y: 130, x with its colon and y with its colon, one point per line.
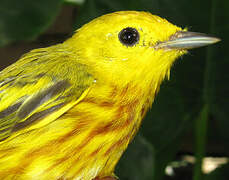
x: 129, y: 36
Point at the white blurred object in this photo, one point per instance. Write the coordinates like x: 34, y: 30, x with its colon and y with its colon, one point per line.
x: 169, y: 171
x: 211, y: 163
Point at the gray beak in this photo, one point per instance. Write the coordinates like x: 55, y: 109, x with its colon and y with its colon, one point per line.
x: 187, y: 40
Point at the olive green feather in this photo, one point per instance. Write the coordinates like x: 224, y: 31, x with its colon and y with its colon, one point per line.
x: 30, y: 91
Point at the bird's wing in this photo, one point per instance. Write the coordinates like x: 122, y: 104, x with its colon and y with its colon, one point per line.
x: 29, y: 93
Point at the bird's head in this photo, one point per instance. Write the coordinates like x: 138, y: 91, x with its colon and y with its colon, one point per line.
x: 130, y: 46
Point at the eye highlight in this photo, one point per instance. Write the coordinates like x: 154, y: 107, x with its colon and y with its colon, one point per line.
x: 129, y: 36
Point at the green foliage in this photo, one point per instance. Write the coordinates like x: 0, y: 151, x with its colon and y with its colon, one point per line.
x: 25, y: 19
x: 196, y: 99
x: 76, y: 2
x: 137, y: 162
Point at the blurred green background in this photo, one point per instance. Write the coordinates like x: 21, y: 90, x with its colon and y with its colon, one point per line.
x: 188, y: 122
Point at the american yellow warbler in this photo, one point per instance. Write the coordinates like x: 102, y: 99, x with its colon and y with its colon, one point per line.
x: 69, y: 111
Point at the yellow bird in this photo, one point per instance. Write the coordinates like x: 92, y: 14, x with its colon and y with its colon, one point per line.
x: 69, y: 111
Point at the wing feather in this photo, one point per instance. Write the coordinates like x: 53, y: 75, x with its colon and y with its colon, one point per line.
x: 39, y: 85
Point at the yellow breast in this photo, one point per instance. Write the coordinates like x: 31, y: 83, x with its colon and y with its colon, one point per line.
x: 85, y: 142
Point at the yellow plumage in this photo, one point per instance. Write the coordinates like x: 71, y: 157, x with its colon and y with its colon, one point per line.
x: 70, y: 110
